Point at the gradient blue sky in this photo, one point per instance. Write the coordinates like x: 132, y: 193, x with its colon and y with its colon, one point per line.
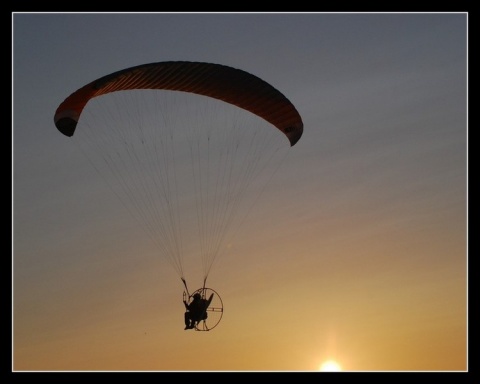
x: 365, y: 238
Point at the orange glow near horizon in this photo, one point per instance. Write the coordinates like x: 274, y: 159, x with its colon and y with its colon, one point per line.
x: 330, y: 366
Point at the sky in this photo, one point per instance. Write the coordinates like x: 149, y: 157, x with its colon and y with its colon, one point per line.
x: 359, y: 252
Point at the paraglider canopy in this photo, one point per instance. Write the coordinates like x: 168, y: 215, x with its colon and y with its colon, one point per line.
x: 221, y: 82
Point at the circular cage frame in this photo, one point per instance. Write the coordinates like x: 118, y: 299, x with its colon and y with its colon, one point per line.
x: 214, y: 310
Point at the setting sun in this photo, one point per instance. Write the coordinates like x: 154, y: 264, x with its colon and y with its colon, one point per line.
x: 330, y: 366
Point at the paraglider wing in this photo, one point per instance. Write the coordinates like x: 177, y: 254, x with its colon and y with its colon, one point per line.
x: 221, y: 82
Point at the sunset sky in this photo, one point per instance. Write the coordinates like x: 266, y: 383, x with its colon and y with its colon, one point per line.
x: 357, y: 251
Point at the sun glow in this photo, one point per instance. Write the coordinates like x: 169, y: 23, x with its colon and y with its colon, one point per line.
x: 330, y: 366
